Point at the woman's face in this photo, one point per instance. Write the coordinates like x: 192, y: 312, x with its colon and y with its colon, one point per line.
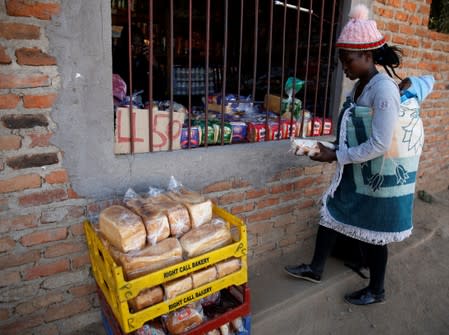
x: 356, y: 64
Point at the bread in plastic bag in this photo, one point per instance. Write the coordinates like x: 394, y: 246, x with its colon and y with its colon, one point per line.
x: 228, y: 266
x: 151, y: 258
x: 122, y: 228
x: 200, y: 209
x: 147, y: 297
x: 204, y: 276
x: 184, y: 319
x: 205, y: 238
x: 154, y: 220
x: 177, y: 286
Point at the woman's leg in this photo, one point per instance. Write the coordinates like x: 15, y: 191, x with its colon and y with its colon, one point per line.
x: 325, y: 241
x: 377, y: 257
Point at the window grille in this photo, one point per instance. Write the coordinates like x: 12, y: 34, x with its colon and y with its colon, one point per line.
x: 227, y: 62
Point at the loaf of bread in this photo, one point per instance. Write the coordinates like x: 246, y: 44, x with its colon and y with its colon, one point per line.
x: 155, y: 220
x: 205, y: 238
x: 183, y: 320
x: 177, y: 287
x: 179, y: 220
x: 213, y: 332
x: 122, y: 228
x: 204, y: 276
x: 151, y: 258
x: 177, y: 214
x: 200, y: 209
x: 146, y: 298
x: 113, y: 251
x: 227, y: 267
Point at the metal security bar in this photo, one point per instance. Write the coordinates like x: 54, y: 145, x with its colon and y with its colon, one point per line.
x: 229, y: 63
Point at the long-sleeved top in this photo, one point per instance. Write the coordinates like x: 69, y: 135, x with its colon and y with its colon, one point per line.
x: 381, y: 94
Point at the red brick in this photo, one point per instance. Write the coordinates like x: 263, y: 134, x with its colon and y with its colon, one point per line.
x: 7, y: 244
x: 15, y: 259
x: 4, y: 57
x: 310, y: 170
x: 83, y: 290
x: 77, y: 229
x: 61, y: 249
x: 267, y: 202
x: 239, y: 183
x: 76, y: 212
x: 57, y: 177
x: 260, y: 227
x: 255, y: 193
x: 42, y: 198
x: 72, y: 194
x: 39, y: 101
x: 80, y: 261
x: 19, y: 326
x: 44, y: 236
x: 18, y: 223
x: 275, y: 189
x: 10, y: 81
x: 9, y: 278
x: 40, y: 139
x: 242, y: 208
x: 45, y: 270
x: 19, y: 31
x: 303, y: 184
x: 20, y: 183
x: 4, y: 314
x: 231, y: 198
x: 10, y: 142
x: 9, y: 101
x: 218, y: 187
x: 40, y: 10
x: 39, y: 302
x: 260, y: 216
x: 75, y: 306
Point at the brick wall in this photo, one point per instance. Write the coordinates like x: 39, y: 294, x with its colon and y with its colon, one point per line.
x: 45, y: 285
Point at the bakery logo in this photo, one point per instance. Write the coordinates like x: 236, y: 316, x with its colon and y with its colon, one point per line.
x: 190, y: 298
x: 186, y: 267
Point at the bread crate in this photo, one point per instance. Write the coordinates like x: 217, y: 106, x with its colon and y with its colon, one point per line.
x: 112, y: 327
x: 117, y: 290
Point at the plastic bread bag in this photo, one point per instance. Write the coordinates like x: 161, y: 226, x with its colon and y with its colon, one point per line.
x: 177, y: 286
x: 238, y: 326
x: 226, y: 329
x: 214, y: 332
x: 228, y: 266
x: 184, y: 319
x: 199, y: 208
x: 151, y: 258
x: 154, y: 219
x: 211, y: 299
x: 154, y: 327
x: 147, y: 297
x: 122, y: 228
x: 206, y: 238
x: 305, y: 147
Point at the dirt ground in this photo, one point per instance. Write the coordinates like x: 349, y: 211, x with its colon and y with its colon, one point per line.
x: 417, y: 289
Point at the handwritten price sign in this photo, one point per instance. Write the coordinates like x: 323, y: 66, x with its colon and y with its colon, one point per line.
x: 141, y: 134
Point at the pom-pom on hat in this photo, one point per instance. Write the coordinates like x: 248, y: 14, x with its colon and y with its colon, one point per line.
x: 360, y: 33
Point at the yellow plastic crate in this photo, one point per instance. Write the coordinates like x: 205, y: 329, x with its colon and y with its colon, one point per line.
x: 117, y: 291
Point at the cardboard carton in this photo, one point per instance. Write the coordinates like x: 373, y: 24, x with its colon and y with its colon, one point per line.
x: 141, y: 130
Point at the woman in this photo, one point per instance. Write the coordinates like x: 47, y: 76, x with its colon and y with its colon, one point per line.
x: 371, y: 196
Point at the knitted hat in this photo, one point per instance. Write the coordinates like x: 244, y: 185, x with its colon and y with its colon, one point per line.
x: 360, y: 33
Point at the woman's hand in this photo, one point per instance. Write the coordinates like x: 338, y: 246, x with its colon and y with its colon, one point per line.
x: 325, y: 154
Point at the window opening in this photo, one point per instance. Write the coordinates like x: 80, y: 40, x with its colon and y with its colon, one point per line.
x: 196, y: 73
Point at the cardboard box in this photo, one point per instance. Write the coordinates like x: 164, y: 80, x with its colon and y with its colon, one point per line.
x: 272, y: 103
x: 141, y: 136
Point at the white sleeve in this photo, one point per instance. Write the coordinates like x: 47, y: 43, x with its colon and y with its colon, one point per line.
x: 385, y: 106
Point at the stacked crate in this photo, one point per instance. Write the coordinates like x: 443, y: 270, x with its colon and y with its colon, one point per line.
x: 115, y: 291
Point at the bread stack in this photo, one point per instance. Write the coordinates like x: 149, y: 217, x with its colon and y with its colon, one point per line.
x: 151, y: 233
